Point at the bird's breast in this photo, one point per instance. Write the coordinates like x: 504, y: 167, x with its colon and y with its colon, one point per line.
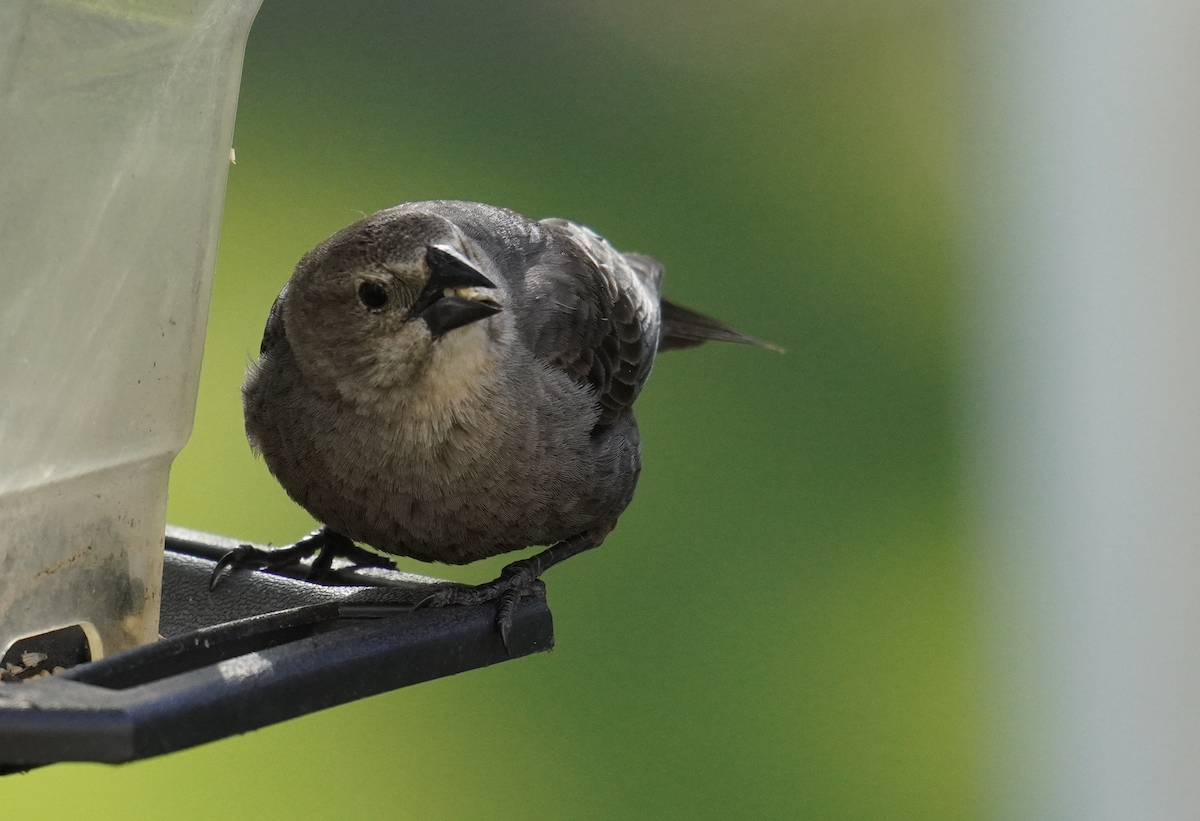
x: 474, y: 461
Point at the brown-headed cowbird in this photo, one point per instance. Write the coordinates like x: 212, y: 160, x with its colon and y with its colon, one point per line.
x: 451, y: 380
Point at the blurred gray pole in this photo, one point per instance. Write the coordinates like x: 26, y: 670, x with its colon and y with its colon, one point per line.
x: 1086, y: 400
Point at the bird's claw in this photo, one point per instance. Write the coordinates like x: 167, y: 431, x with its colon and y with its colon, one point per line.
x: 241, y: 556
x: 249, y: 556
x: 323, y: 546
x: 516, y: 581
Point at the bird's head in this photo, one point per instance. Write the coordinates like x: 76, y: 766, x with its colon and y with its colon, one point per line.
x: 394, y: 301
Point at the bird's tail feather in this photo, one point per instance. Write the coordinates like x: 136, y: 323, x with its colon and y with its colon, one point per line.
x: 685, y: 328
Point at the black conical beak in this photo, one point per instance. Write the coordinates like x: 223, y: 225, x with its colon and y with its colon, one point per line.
x: 450, y: 271
x: 452, y: 312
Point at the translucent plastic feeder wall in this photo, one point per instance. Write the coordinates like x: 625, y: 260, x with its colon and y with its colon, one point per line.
x: 116, y: 119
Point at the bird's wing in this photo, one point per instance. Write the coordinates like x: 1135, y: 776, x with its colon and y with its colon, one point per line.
x: 598, y: 314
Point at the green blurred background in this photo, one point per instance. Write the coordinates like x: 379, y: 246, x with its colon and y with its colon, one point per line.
x: 777, y: 628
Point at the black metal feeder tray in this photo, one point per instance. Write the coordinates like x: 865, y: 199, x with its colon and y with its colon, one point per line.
x: 261, y: 648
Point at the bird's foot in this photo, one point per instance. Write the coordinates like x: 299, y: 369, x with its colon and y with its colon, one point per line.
x: 323, y: 546
x: 516, y: 581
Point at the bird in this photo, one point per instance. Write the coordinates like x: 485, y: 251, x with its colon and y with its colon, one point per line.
x: 449, y: 381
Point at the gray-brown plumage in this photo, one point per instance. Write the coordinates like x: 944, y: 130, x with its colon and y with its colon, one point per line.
x: 450, y: 380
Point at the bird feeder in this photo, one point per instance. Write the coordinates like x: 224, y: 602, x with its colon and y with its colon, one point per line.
x: 116, y: 120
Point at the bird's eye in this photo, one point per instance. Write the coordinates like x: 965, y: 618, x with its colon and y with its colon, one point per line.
x: 372, y: 295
